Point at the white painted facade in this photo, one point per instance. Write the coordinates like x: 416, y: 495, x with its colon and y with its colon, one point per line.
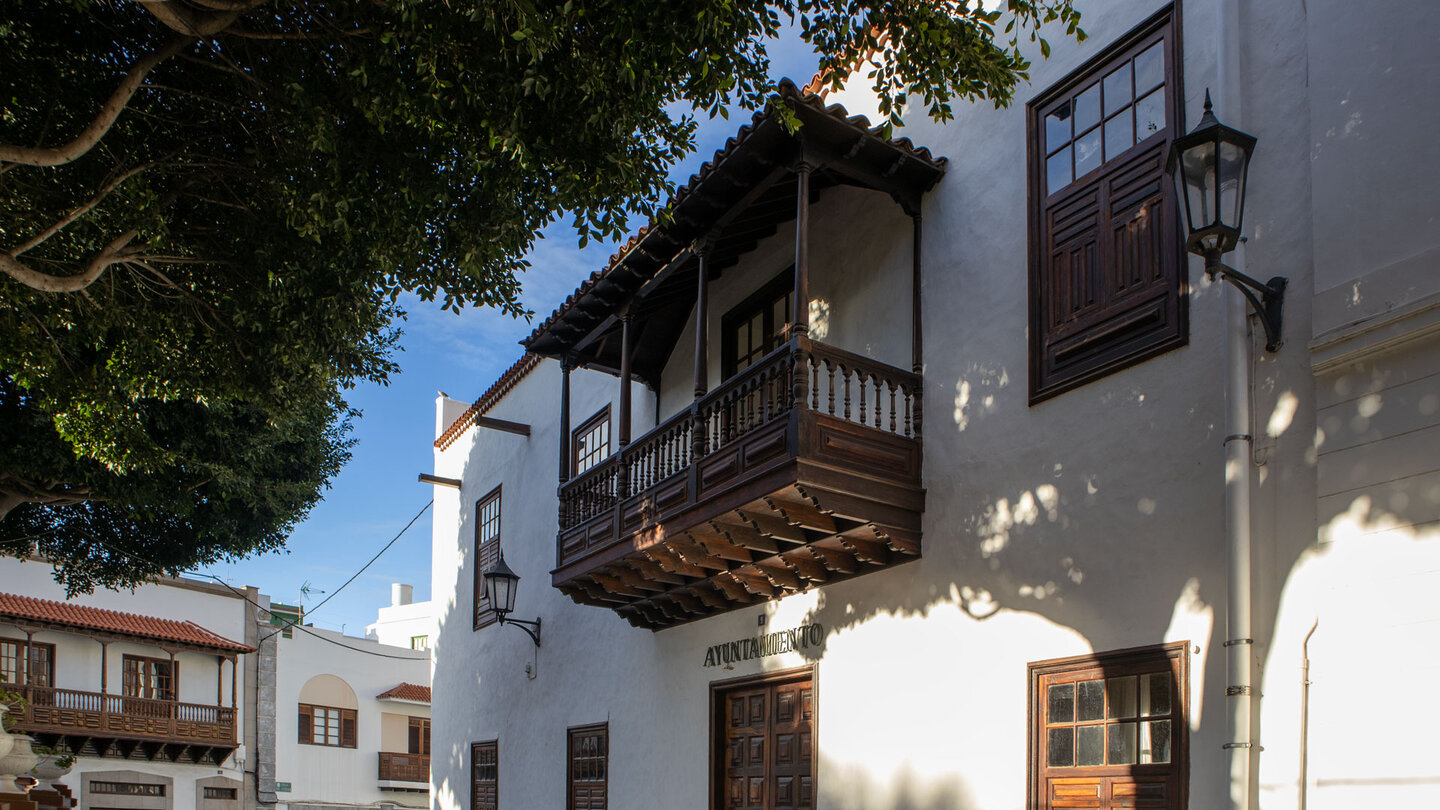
x: 326, y: 668
x: 404, y: 622
x: 1090, y: 522
x: 203, y: 679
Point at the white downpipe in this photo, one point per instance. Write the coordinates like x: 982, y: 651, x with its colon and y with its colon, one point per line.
x: 1239, y: 644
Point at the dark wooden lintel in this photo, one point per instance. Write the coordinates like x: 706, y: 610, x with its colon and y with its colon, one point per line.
x: 503, y: 425
x: 426, y: 478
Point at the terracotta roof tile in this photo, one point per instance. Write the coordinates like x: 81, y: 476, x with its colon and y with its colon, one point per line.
x: 83, y: 617
x: 487, y: 400
x: 407, y: 691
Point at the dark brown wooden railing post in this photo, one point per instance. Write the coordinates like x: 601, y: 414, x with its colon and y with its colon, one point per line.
x: 622, y: 489
x: 917, y: 334
x: 800, y: 325
x: 565, y: 365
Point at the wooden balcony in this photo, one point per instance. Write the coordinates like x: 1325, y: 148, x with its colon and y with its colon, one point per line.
x: 107, y: 725
x: 413, y: 768
x: 801, y: 470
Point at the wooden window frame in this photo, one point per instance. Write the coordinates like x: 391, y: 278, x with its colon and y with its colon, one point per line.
x: 1128, y: 321
x: 139, y: 686
x: 306, y: 732
x: 572, y: 736
x: 484, y: 615
x: 25, y: 650
x: 420, y: 642
x: 1173, y: 657
x: 418, y: 731
x: 475, y: 748
x: 221, y: 793
x: 718, y: 691
x: 761, y: 301
x: 601, y: 417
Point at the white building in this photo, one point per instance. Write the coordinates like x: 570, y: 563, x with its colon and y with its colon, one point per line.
x: 148, y: 689
x: 345, y: 723
x: 405, y: 622
x: 1046, y: 610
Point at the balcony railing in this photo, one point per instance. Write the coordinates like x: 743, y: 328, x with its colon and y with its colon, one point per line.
x: 404, y: 767
x: 70, y: 712
x: 806, y: 416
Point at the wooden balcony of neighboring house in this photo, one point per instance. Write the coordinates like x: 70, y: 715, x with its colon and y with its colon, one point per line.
x: 804, y: 468
x: 145, y: 720
x: 404, y: 772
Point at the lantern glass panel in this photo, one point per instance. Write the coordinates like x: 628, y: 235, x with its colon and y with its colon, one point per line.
x: 1197, y: 171
x: 501, y: 590
x: 1232, y: 183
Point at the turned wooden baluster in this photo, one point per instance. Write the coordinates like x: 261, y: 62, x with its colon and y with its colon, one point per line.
x: 890, y: 387
x: 845, y: 375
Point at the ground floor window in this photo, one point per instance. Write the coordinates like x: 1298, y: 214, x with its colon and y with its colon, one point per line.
x: 763, y: 746
x: 485, y: 775
x: 1109, y: 729
x: 588, y: 781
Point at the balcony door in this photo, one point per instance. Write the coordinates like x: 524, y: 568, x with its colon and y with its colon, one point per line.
x: 764, y: 746
x: 758, y: 325
x: 151, y: 678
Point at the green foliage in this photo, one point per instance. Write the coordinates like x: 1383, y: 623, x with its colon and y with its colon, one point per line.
x: 254, y: 212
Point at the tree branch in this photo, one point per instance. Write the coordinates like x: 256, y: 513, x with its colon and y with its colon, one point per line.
x: 78, y: 212
x: 109, y: 112
x: 45, y: 282
x: 187, y: 21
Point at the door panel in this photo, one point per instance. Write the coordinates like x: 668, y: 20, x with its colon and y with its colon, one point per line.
x: 768, y: 761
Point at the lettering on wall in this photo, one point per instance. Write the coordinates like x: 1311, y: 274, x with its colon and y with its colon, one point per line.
x: 799, y: 638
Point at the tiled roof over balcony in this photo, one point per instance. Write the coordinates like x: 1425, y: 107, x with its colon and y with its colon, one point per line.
x: 71, y: 616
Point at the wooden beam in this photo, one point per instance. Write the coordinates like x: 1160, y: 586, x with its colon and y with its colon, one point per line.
x: 731, y: 587
x: 834, y: 559
x: 771, y: 525
x: 427, y: 478
x: 745, y: 536
x: 502, y: 425
x: 803, y: 515
x: 805, y: 564
x: 689, y: 602
x: 670, y: 560
x: 780, y: 575
x: 719, y: 545
x: 865, y: 550
x: 711, y: 595
x: 903, y: 541
x: 755, y: 582
x: 615, y: 585
x: 631, y: 577
x: 655, y: 573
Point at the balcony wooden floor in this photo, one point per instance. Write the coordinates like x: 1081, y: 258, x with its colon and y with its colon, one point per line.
x: 747, y: 496
x: 133, y: 728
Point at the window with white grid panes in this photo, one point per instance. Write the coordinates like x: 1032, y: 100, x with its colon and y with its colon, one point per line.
x: 1109, y: 729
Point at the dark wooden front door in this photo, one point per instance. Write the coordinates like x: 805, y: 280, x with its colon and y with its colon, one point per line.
x: 766, y: 744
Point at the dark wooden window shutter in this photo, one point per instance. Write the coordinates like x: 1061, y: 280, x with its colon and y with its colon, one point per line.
x: 485, y: 775
x: 307, y: 724
x: 347, y: 728
x: 589, y: 776
x: 487, y: 552
x: 1107, y: 267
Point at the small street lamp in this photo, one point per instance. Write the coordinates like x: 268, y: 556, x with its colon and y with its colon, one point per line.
x: 500, y: 586
x: 1210, y: 165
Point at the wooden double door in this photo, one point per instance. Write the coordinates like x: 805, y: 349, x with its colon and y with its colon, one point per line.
x: 765, y: 743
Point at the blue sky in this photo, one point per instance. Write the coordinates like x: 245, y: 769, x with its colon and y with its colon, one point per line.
x: 377, y: 493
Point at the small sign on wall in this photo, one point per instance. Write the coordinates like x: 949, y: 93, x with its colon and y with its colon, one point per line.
x: 282, y: 787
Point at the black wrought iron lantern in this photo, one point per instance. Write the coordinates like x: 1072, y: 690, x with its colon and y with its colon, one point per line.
x: 1209, y: 166
x: 501, y: 585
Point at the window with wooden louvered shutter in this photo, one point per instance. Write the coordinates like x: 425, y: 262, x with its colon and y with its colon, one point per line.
x: 1107, y: 268
x: 589, y: 778
x: 487, y: 552
x: 325, y: 725
x: 485, y: 775
x: 307, y: 720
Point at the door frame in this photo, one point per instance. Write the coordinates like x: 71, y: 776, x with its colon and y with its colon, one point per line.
x: 718, y: 690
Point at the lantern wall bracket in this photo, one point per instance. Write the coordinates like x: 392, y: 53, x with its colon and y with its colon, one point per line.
x: 1265, y: 299
x: 531, y: 628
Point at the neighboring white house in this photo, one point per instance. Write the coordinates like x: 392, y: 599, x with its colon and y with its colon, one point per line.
x: 349, y: 720
x: 405, y: 622
x: 964, y: 541
x: 148, y: 688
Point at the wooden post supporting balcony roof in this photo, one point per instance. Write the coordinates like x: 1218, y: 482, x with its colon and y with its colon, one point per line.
x: 702, y: 321
x: 626, y: 349
x: 565, y: 365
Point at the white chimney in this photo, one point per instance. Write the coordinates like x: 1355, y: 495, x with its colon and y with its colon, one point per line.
x: 401, y: 594
x: 447, y: 410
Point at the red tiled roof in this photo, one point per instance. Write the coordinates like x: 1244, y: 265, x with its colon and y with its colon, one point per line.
x: 787, y: 91
x: 487, y: 400
x: 407, y: 691
x: 82, y: 617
